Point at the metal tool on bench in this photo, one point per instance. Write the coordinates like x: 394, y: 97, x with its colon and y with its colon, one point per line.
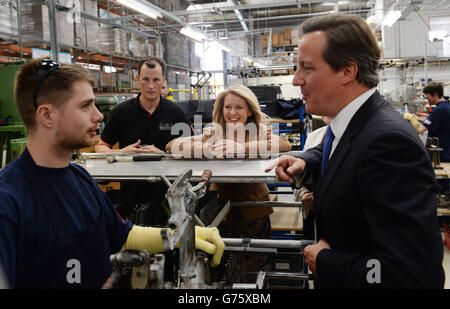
x: 138, y: 157
x: 111, y: 157
x: 156, y: 156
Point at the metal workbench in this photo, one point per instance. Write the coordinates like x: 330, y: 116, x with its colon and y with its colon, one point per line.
x: 223, y: 171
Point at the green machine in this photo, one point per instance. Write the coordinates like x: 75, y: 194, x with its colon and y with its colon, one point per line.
x: 105, y: 104
x: 12, y: 131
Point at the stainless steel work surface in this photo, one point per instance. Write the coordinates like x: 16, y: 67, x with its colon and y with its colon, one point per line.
x: 223, y: 171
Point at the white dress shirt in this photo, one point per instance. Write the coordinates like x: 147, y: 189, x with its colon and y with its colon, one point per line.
x: 340, y: 122
x: 315, y: 138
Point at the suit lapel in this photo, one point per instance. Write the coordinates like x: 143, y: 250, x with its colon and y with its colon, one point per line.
x: 340, y: 153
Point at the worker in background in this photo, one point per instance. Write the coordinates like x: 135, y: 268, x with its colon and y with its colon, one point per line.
x: 237, y: 109
x: 164, y: 90
x: 144, y: 124
x: 57, y: 228
x: 166, y: 93
x: 438, y: 122
x: 438, y: 125
x: 375, y: 200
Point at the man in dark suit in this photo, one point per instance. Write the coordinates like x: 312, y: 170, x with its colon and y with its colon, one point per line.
x: 375, y: 199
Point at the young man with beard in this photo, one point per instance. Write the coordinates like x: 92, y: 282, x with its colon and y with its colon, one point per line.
x: 54, y: 219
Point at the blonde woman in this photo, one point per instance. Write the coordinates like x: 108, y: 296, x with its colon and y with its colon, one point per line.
x: 238, y: 129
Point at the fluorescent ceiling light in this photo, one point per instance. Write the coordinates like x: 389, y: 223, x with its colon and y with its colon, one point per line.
x: 193, y: 34
x: 371, y: 19
x: 193, y: 7
x: 141, y: 7
x: 109, y: 69
x: 374, y: 19
x: 391, y: 17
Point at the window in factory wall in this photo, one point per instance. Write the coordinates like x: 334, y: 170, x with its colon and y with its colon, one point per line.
x: 211, y: 56
x: 211, y: 60
x: 446, y: 46
x: 440, y: 31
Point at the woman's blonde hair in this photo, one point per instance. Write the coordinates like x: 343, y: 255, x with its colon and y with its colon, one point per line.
x: 252, y: 102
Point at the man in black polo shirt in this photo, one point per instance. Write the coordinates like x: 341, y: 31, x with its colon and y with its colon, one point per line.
x: 144, y: 124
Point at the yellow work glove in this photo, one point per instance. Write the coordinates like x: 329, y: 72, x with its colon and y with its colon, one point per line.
x: 149, y: 238
x: 412, y: 120
x: 208, y: 239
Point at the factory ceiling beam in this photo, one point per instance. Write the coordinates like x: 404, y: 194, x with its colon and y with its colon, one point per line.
x: 269, y: 5
x: 413, y: 5
x: 240, y: 15
x: 307, y: 15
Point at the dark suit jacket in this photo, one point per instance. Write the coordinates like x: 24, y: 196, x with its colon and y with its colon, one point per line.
x: 376, y: 201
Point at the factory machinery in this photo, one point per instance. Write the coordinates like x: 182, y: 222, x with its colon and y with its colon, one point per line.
x: 186, y: 268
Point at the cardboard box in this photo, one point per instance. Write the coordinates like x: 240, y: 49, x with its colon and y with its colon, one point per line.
x: 114, y: 40
x: 108, y: 79
x: 280, y: 39
x: 287, y: 34
x: 295, y: 36
x: 35, y: 26
x: 86, y: 30
x: 264, y: 40
x: 8, y: 18
x: 274, y: 39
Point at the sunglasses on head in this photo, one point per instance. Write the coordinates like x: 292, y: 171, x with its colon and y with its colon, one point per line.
x: 46, y: 66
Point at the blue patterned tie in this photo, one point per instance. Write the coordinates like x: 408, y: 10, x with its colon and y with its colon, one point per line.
x: 328, y: 142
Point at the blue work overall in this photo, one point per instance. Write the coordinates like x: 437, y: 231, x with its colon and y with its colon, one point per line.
x: 88, y: 249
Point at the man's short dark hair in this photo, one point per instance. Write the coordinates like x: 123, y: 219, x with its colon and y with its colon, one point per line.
x: 55, y: 89
x: 434, y: 88
x: 349, y: 39
x: 152, y: 62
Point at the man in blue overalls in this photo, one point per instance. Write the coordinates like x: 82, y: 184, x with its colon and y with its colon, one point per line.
x: 54, y: 219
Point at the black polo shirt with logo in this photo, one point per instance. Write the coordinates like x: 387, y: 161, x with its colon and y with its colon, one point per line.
x: 129, y: 122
